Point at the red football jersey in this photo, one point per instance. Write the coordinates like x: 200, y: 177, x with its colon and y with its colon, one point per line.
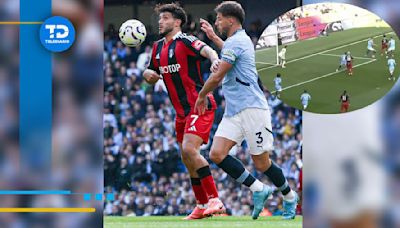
x: 344, y: 98
x: 178, y: 61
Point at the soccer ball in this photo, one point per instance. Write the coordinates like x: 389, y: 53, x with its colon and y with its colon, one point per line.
x: 132, y: 33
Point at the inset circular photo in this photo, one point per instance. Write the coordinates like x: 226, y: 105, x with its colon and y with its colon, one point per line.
x: 328, y: 58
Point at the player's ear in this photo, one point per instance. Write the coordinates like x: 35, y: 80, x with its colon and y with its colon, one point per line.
x: 231, y: 20
x: 178, y: 23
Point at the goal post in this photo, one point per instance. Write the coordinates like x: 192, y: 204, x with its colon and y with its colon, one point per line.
x: 274, y: 36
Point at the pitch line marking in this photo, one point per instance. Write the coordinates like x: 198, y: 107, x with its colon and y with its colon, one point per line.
x: 322, y: 52
x: 356, y: 57
x: 323, y: 76
x: 273, y: 64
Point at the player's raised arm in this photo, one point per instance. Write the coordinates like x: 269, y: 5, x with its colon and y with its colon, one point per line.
x: 207, y: 28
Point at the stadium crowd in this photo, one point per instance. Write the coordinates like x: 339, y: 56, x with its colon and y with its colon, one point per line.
x: 142, y: 165
x: 305, y: 11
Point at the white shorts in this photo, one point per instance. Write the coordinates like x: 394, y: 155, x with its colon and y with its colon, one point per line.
x: 252, y: 125
x: 391, y: 70
x: 279, y: 88
x: 371, y: 49
x: 391, y: 49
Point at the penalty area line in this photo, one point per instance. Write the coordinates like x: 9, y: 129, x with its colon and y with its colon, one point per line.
x: 323, y: 76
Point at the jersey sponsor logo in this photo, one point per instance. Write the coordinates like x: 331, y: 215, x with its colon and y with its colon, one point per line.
x: 173, y: 68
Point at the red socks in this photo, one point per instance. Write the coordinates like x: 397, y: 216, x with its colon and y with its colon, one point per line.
x: 199, y: 192
x: 207, y: 181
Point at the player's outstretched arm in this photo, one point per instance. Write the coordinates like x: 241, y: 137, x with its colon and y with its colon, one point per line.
x: 151, y: 77
x: 211, y: 84
x: 207, y: 28
x: 212, y: 55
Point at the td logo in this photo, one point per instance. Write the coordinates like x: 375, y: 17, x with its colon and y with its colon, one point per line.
x: 57, y: 34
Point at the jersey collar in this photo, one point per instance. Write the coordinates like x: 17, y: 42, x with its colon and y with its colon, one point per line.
x: 176, y: 35
x: 239, y: 30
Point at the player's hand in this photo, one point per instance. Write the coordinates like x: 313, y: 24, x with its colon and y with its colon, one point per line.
x: 200, y: 106
x: 151, y: 76
x: 207, y: 28
x: 215, y: 65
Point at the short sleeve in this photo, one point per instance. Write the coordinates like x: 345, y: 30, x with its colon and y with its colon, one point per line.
x: 230, y: 52
x: 153, y: 61
x: 193, y: 44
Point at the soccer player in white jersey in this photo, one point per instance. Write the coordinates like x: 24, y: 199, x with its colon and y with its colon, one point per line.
x: 278, y: 85
x: 370, y: 48
x: 305, y: 98
x: 282, y: 57
x: 392, y: 47
x: 343, y: 61
x: 247, y: 115
x: 391, y: 64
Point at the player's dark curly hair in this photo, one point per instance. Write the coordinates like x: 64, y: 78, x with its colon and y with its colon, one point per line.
x: 175, y: 9
x: 232, y: 9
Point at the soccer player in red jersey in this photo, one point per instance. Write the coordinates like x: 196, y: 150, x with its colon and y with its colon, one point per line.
x: 300, y: 190
x: 384, y: 45
x: 345, y: 99
x: 349, y: 63
x: 176, y: 57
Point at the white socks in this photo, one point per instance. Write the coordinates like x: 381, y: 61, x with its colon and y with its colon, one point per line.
x: 289, y: 196
x: 257, y: 186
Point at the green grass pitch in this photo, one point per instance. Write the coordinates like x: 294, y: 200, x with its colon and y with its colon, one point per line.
x: 311, y: 65
x: 214, y: 222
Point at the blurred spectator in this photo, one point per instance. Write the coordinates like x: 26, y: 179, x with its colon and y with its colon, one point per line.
x: 144, y: 58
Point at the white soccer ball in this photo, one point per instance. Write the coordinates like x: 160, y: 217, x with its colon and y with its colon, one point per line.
x: 132, y: 33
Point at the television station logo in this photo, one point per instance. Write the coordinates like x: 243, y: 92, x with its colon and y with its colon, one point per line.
x: 57, y: 34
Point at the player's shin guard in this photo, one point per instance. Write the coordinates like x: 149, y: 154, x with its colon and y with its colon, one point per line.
x: 234, y: 168
x: 207, y: 181
x: 199, y: 192
x: 275, y: 174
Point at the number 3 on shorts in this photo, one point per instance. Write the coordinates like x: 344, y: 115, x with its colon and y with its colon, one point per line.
x: 260, y: 139
x: 195, y: 117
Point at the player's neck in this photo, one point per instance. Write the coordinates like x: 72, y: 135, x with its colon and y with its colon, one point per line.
x: 233, y: 29
x: 171, y: 35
